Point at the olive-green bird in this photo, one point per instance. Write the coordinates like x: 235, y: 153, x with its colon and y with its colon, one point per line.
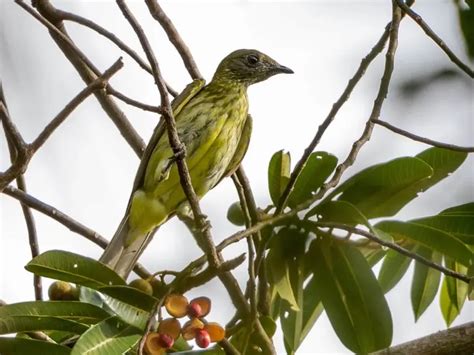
x: 213, y: 123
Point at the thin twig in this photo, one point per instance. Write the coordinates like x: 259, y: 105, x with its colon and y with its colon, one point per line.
x: 132, y: 102
x: 366, y: 61
x: 430, y: 33
x: 66, y: 221
x: 20, y: 181
x: 423, y: 139
x: 99, y: 83
x: 395, y: 247
x: 48, y: 16
x: 68, y: 16
x: 158, y: 14
x: 151, y: 321
x: 26, y: 151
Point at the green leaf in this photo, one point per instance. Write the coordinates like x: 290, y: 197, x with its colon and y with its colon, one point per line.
x: 288, y: 244
x: 292, y: 320
x: 339, y: 212
x: 425, y: 282
x: 211, y: 351
x: 465, y: 209
x: 16, y: 324
x: 394, y: 266
x: 67, y: 266
x: 131, y: 314
x: 111, y: 336
x: 466, y: 20
x: 318, y: 168
x: 352, y: 297
x: 71, y: 310
x: 15, y: 346
x: 383, y: 189
x: 459, y: 225
x: 453, y: 293
x: 443, y: 162
x: 278, y: 174
x: 430, y: 237
x: 131, y: 296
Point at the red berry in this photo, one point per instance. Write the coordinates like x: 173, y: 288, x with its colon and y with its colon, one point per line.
x: 194, y: 310
x: 165, y: 341
x: 202, y: 338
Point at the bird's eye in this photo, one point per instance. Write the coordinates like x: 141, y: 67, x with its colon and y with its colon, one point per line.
x: 252, y: 59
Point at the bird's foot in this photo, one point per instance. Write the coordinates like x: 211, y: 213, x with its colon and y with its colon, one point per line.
x: 179, y: 153
x: 205, y: 223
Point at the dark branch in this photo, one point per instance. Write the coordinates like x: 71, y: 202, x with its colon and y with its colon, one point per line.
x: 48, y: 16
x: 395, y: 247
x: 430, y: 33
x: 456, y: 340
x: 158, y: 14
x: 132, y: 102
x: 423, y: 139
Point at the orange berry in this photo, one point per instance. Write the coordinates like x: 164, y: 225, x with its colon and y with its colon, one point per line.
x: 215, y: 330
x: 176, y: 305
x: 204, y: 303
x: 171, y: 327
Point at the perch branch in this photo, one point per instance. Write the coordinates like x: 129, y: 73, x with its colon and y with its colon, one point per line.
x: 423, y: 139
x: 430, y: 33
x: 132, y: 102
x: 158, y: 14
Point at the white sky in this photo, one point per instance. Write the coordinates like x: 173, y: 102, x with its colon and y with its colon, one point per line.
x: 86, y: 169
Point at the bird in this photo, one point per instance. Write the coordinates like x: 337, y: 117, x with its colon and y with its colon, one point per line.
x: 213, y: 123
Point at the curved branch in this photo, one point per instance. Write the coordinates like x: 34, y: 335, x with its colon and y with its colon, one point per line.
x: 423, y: 139
x: 430, y: 33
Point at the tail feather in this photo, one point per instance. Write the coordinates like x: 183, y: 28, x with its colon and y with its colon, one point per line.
x: 122, y: 257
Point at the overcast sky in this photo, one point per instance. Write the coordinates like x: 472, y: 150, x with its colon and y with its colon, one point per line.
x: 86, y: 169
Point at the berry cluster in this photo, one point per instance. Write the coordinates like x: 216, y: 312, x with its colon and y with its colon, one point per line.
x: 196, y: 327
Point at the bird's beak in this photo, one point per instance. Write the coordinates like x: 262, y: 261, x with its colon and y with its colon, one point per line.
x: 282, y: 69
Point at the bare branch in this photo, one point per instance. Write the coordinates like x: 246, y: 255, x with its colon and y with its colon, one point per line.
x: 158, y: 14
x: 48, y: 16
x: 430, y: 33
x: 395, y: 247
x: 65, y: 220
x: 20, y: 181
x: 455, y: 340
x: 423, y: 139
x: 132, y: 102
x: 68, y: 16
x: 99, y: 83
x: 25, y: 152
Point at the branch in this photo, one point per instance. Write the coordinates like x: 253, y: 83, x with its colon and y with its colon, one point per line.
x: 65, y: 220
x: 366, y: 61
x: 423, y: 139
x: 68, y: 16
x: 202, y: 226
x: 395, y: 247
x: 48, y: 16
x: 25, y: 152
x: 456, y: 340
x: 132, y: 102
x: 20, y: 181
x: 430, y: 33
x: 158, y: 14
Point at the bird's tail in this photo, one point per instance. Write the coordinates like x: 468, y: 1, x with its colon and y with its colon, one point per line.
x: 120, y: 256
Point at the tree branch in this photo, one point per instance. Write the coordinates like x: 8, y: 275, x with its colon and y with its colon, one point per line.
x: 366, y: 61
x: 395, y: 247
x: 66, y: 221
x: 25, y: 152
x: 48, y: 16
x: 430, y: 33
x: 158, y: 14
x: 423, y: 139
x: 456, y: 340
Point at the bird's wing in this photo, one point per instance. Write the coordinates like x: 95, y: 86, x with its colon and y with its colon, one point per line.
x: 177, y: 105
x: 241, y: 147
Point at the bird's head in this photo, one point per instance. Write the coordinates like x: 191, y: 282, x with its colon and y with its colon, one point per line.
x: 247, y: 67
